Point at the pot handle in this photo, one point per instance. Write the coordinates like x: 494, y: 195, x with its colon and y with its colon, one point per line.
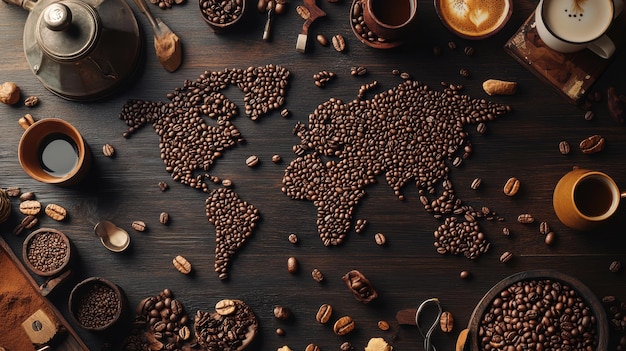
x: 26, y: 121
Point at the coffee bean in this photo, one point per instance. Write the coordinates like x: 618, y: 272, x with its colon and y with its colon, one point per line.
x: 284, y: 113
x: 292, y: 265
x: 55, y: 212
x: 358, y: 71
x: 592, y: 144
x: 469, y: 50
x: 282, y: 312
x: 544, y: 228
x: 511, y: 187
x: 405, y: 75
x: 380, y: 239
x: 446, y: 322
x: 280, y: 331
x: 293, y: 238
x: 184, y: 333
x: 219, y: 12
x: 452, y: 45
x: 360, y: 286
x: 252, y: 161
x: 324, y: 313
x: 339, y: 42
x: 383, y: 325
x: 13, y: 192
x: 589, y: 115
x: 464, y: 72
x: 550, y: 238
x: 322, y: 40
x: 525, y: 218
x: 481, y: 128
x: 564, y: 147
x: 163, y: 186
x: 506, y: 257
x: 139, y: 226
x: 225, y: 307
x: 276, y: 158
x: 164, y: 218
x: 31, y: 101
x: 312, y: 347
x: 321, y: 78
x: 29, y: 222
x: 506, y: 231
x: 181, y: 264
x: 30, y: 207
x: 476, y: 183
x: 29, y: 195
x: 465, y: 274
x: 108, y: 150
x: 346, y: 346
x: 395, y: 72
x: 615, y: 266
x: 344, y: 325
x: 360, y: 225
x: 317, y: 275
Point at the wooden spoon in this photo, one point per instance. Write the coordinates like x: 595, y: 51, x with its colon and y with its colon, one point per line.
x: 166, y: 43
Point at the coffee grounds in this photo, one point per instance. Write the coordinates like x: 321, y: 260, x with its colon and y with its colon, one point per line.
x: 18, y: 301
x: 409, y: 133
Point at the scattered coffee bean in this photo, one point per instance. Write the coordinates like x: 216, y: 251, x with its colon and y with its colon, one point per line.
x: 284, y: 113
x: 481, y: 128
x: 615, y: 266
x: 181, y: 264
x: 29, y: 222
x: 511, y: 187
x: 550, y: 238
x: 464, y: 72
x: 506, y: 231
x: 139, y: 226
x: 184, y: 333
x: 395, y: 72
x: 317, y: 275
x: 525, y: 218
x: 55, y: 212
x: 13, y: 192
x: 252, y: 161
x: 29, y: 195
x: 592, y: 144
x: 108, y: 150
x: 30, y: 207
x: 292, y: 265
x: 31, y: 101
x: 360, y: 225
x: 465, y: 274
x: 475, y: 183
x: 344, y: 325
x: 280, y: 331
x: 469, y: 50
x: 589, y: 115
x: 164, y: 218
x: 383, y: 325
x: 564, y: 147
x: 452, y: 45
x: 324, y: 313
x: 365, y: 88
x: 293, y: 238
x: 163, y: 186
x: 276, y: 158
x: 282, y: 312
x: 225, y: 307
x: 339, y: 43
x: 322, y: 40
x: 446, y: 322
x: 346, y: 346
x: 506, y: 257
x: 358, y: 71
x: 312, y: 347
x: 405, y: 75
x: 321, y: 78
x: 227, y: 183
x: 380, y: 239
x: 544, y: 228
x: 360, y: 286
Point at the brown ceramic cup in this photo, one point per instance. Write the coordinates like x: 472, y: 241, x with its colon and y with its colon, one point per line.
x: 389, y: 19
x: 53, y: 151
x: 584, y: 199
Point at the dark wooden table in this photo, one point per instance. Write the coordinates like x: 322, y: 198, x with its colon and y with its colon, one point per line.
x: 406, y: 271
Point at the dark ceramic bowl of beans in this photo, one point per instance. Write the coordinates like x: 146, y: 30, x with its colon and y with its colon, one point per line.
x: 221, y: 15
x: 538, y: 310
x: 96, y: 304
x: 46, y: 252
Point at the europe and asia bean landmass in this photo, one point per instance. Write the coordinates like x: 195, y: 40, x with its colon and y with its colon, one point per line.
x: 410, y: 133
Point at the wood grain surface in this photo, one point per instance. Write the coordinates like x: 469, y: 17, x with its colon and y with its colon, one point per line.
x: 407, y: 270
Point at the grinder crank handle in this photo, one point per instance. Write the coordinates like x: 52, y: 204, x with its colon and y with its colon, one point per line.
x: 315, y: 13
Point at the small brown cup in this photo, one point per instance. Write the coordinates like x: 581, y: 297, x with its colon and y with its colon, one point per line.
x: 585, y: 199
x: 389, y: 19
x: 33, y: 141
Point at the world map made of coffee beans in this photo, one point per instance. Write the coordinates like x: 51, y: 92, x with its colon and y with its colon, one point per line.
x: 408, y: 133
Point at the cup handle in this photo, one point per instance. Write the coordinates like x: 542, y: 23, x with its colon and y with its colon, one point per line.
x: 623, y: 195
x: 26, y: 121
x: 603, y: 47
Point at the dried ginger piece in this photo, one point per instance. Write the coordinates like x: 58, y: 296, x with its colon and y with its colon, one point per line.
x: 378, y: 344
x: 499, y: 87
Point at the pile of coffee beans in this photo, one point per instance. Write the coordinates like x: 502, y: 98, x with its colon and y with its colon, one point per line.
x: 221, y: 11
x: 540, y: 314
x: 47, y: 251
x: 226, y: 329
x: 98, y: 306
x: 409, y: 133
x: 234, y: 220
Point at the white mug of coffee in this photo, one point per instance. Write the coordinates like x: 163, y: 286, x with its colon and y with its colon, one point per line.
x: 573, y: 25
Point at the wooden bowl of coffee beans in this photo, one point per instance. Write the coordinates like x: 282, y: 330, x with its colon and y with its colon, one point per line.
x: 222, y: 14
x: 538, y: 310
x: 96, y: 304
x: 46, y: 252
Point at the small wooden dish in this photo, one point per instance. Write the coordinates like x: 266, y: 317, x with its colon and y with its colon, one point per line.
x: 390, y: 44
x: 602, y: 328
x: 79, y: 293
x: 31, y: 265
x: 221, y: 27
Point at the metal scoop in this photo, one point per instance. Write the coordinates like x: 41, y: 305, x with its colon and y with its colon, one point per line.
x: 166, y: 42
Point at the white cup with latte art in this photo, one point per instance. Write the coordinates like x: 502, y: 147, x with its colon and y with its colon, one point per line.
x: 572, y: 25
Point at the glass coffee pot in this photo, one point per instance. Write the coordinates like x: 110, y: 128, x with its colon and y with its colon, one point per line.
x: 81, y: 49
